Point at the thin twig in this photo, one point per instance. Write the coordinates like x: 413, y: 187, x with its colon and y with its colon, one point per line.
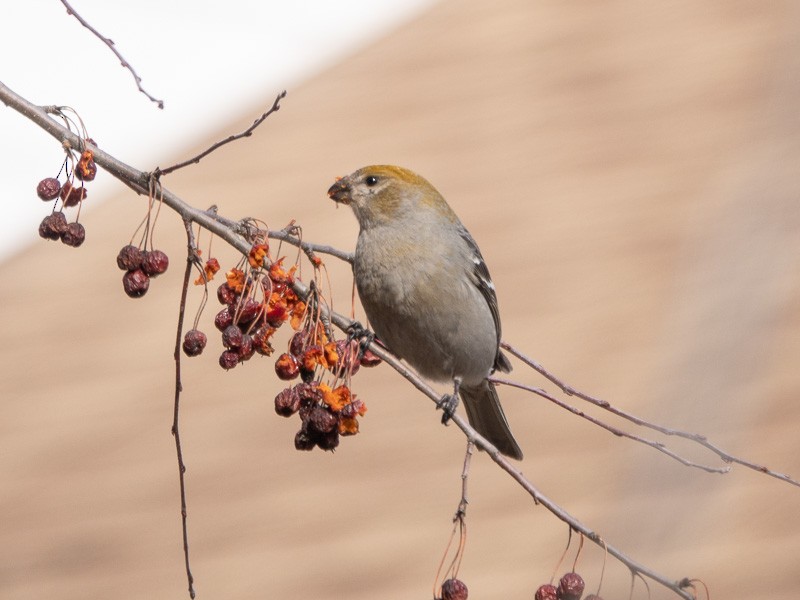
x: 605, y: 405
x: 461, y: 513
x: 110, y: 43
x: 190, y: 259
x: 618, y: 432
x: 231, y: 138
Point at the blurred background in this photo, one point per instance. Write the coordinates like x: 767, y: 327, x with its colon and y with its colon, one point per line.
x: 630, y: 173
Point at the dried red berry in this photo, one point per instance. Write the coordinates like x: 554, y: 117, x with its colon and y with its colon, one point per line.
x: 232, y: 337
x: 277, y: 315
x: 129, y: 258
x: 303, y: 441
x: 298, y: 344
x: 249, y: 310
x: 327, y: 441
x: 48, y: 189
x: 224, y: 319
x: 155, y: 262
x: 369, y: 359
x: 72, y: 195
x: 193, y: 342
x: 546, y: 592
x: 53, y: 226
x: 308, y: 392
x: 322, y: 420
x: 86, y: 169
x: 135, y: 283
x: 570, y: 587
x: 246, y: 348
x: 287, y: 402
x: 74, y: 235
x: 286, y: 367
x: 228, y: 359
x: 347, y: 362
x: 261, y: 340
x: 226, y: 295
x: 454, y: 589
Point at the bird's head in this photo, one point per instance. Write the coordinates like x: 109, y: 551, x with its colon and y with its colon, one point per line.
x: 382, y: 193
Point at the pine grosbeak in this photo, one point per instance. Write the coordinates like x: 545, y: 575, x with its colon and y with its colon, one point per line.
x: 426, y: 290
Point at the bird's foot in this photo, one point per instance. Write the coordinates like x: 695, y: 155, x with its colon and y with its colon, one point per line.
x: 364, y: 336
x: 449, y: 403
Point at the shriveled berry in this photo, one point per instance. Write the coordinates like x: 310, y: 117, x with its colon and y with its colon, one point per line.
x: 546, y: 592
x: 223, y: 319
x: 307, y: 375
x: 308, y: 392
x: 86, y: 169
x: 194, y: 342
x: 135, y: 283
x: 226, y: 295
x: 570, y: 587
x: 352, y: 409
x: 232, y: 337
x: 369, y: 359
x: 286, y: 367
x: 298, y: 344
x: 327, y: 441
x: 155, y: 262
x: 287, y: 402
x: 48, y: 189
x: 74, y: 235
x: 322, y: 420
x: 304, y: 441
x: 249, y: 310
x: 228, y: 359
x: 53, y: 226
x: 277, y: 315
x: 347, y: 362
x: 454, y: 589
x: 246, y: 348
x: 72, y: 195
x: 129, y: 258
x: 261, y: 340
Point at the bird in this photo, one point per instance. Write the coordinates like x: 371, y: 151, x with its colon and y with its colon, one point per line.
x: 427, y: 292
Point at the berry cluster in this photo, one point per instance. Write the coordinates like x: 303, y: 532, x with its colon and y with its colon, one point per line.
x: 326, y: 411
x: 140, y: 266
x: 256, y: 303
x: 570, y: 587
x: 55, y: 226
x: 255, y: 306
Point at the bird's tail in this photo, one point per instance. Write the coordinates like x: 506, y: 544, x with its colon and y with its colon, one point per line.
x: 486, y: 415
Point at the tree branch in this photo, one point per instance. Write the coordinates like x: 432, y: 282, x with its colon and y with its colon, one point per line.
x: 605, y: 405
x: 110, y: 43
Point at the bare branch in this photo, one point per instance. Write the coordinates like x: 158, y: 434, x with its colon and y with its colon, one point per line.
x: 190, y: 260
x: 605, y: 405
x: 276, y: 105
x: 618, y: 432
x: 110, y: 43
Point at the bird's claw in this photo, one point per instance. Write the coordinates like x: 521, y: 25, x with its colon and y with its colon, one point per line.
x: 448, y: 404
x: 356, y: 331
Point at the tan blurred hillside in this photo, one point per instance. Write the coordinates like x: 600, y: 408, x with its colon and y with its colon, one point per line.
x: 630, y: 172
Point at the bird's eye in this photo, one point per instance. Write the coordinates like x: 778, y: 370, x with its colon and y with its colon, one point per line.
x: 371, y: 180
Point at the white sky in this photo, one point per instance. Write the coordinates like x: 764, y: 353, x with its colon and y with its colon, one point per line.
x: 206, y: 60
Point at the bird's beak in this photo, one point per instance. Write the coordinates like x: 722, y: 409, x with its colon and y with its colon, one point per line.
x: 340, y: 191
